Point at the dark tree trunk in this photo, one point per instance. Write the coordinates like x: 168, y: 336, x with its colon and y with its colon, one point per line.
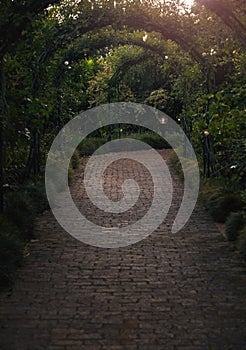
x: 208, y: 157
x: 33, y: 162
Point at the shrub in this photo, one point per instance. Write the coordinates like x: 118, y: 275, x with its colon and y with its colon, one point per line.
x: 58, y: 174
x: 11, y: 249
x: 241, y: 243
x: 74, y: 164
x: 220, y: 205
x: 154, y: 140
x: 17, y: 226
x: 37, y: 196
x: 19, y: 211
x: 89, y: 145
x: 175, y: 163
x: 70, y: 174
x: 190, y: 167
x: 234, y: 224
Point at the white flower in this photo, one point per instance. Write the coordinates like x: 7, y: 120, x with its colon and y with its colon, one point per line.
x: 145, y: 37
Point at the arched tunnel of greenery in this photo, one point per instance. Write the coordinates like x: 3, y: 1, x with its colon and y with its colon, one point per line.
x: 58, y: 58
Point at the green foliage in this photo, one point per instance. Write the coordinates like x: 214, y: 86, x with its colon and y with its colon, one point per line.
x: 77, y: 56
x: 188, y: 164
x: 60, y: 183
x: 89, y: 145
x: 75, y: 160
x: 20, y: 212
x: 220, y: 204
x: 37, y: 195
x: 81, y: 54
x: 224, y: 120
x: 176, y: 165
x: 154, y: 140
x: 17, y: 226
x: 11, y: 248
x: 233, y: 225
x: 162, y: 100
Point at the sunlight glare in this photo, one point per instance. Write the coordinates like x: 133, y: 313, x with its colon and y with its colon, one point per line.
x: 188, y: 3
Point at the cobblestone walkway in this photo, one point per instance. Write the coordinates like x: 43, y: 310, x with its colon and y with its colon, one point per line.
x: 169, y: 291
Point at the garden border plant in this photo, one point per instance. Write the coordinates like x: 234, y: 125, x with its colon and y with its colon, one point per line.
x: 17, y: 223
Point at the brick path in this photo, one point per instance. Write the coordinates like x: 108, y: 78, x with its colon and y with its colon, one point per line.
x: 182, y: 291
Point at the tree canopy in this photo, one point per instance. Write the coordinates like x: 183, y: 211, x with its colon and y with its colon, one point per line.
x: 58, y: 58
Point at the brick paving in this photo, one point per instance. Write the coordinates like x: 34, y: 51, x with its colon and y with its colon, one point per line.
x: 169, y: 291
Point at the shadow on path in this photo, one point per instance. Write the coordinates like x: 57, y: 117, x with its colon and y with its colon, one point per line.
x: 182, y: 291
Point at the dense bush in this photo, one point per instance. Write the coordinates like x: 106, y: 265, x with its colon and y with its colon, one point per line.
x: 17, y: 226
x: 10, y: 258
x: 89, y: 145
x: 220, y: 205
x: 175, y: 163
x: 37, y: 196
x: 154, y: 140
x: 11, y: 247
x: 189, y: 165
x: 74, y: 163
x: 57, y: 173
x: 21, y: 213
x: 234, y: 224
